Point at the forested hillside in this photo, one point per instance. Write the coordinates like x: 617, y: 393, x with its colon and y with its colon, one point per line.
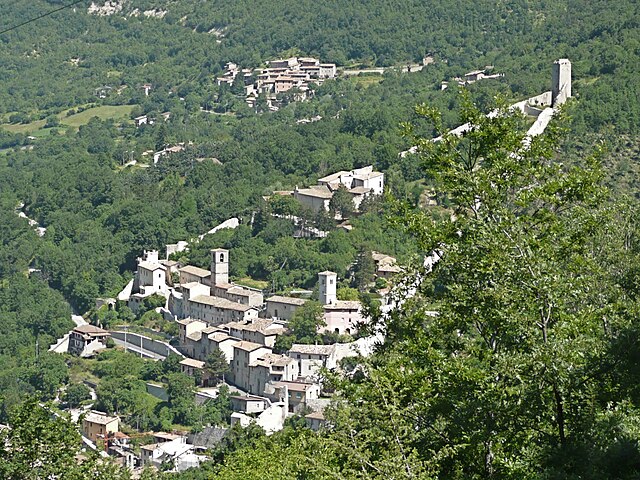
x: 65, y: 162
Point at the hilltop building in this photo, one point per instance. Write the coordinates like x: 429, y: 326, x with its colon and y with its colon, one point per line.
x: 360, y: 183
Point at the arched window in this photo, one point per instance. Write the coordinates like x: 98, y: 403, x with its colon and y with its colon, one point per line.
x: 222, y: 257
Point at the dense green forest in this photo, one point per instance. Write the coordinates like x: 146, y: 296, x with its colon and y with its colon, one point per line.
x: 484, y: 403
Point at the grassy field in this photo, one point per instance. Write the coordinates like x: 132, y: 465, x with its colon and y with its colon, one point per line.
x: 24, y: 127
x: 104, y: 112
x: 366, y: 80
x: 250, y: 282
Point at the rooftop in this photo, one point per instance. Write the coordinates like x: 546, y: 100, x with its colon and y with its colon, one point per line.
x: 261, y: 325
x: 91, y: 330
x: 315, y: 416
x: 190, y: 362
x: 220, y: 337
x: 222, y: 303
x: 368, y: 176
x: 99, y: 417
x: 295, y: 386
x: 247, y: 398
x: 312, y: 349
x: 275, y: 360
x: 287, y: 300
x: 318, y: 192
x: 248, y: 346
x: 166, y: 436
x: 151, y: 266
x: 188, y: 321
x: 343, y: 305
x: 333, y: 177
x: 197, y: 271
x: 359, y: 190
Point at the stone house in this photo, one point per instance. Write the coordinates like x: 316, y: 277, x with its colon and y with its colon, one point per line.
x: 271, y: 368
x: 244, y: 354
x: 297, y: 394
x: 282, y: 307
x: 312, y: 358
x: 262, y: 331
x: 98, y: 425
x: 86, y: 339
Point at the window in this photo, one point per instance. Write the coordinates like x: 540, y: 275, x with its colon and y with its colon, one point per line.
x: 331, y: 281
x: 222, y: 257
x: 298, y: 395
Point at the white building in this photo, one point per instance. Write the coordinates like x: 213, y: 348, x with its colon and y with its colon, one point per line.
x: 177, y: 453
x: 312, y: 358
x: 150, y: 279
x: 364, y: 177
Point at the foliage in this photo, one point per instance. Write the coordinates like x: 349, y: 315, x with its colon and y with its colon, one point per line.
x: 306, y: 321
x: 364, y: 269
x: 75, y: 394
x: 42, y: 445
x: 341, y: 203
x: 216, y: 365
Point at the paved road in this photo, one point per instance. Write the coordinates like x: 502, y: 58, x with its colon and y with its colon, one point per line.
x: 134, y: 348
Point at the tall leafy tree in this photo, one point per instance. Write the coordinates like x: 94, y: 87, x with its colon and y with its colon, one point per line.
x: 216, y: 364
x: 40, y: 444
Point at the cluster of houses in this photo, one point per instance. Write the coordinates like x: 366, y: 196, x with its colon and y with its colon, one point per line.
x: 283, y: 75
x: 168, y: 451
x: 215, y: 314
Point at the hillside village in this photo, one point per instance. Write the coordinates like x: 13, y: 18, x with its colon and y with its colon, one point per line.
x: 218, y: 317
x: 294, y: 74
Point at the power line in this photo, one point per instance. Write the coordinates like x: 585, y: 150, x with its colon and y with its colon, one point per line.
x: 51, y: 12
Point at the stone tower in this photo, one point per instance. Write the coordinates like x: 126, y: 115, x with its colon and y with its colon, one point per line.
x: 219, y: 266
x: 327, y: 288
x: 560, y: 82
